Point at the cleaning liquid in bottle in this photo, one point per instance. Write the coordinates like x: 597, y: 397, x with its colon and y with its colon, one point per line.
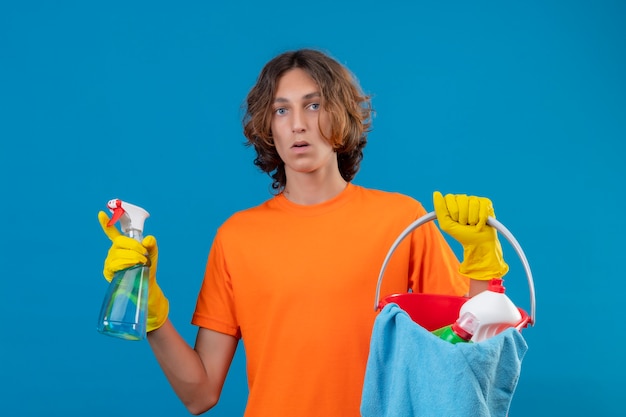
x: 461, y: 331
x: 123, y: 311
x: 493, y: 309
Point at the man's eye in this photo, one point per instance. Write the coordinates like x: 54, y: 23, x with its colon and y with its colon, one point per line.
x: 280, y: 111
x: 314, y: 106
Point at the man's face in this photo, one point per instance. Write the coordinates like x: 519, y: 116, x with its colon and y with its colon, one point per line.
x: 298, y: 115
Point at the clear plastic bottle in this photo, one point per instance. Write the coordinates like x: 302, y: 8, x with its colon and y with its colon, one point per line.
x: 123, y: 311
x: 461, y: 331
x: 493, y: 309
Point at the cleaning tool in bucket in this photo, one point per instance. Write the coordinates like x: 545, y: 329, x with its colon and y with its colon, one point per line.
x: 434, y: 311
x: 460, y: 331
x: 411, y: 372
x: 493, y: 310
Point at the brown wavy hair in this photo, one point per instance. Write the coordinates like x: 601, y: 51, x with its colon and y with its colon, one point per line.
x: 349, y: 109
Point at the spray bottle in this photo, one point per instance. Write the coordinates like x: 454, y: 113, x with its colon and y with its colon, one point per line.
x: 493, y: 309
x: 123, y: 311
x: 461, y: 331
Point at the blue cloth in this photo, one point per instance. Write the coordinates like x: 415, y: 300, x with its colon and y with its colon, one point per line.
x: 411, y: 372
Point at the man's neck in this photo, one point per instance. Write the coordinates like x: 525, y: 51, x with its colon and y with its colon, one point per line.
x: 309, y: 189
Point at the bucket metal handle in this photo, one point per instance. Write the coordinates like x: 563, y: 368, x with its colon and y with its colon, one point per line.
x: 490, y: 221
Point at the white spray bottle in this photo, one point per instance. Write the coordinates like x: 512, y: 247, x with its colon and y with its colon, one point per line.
x: 123, y: 311
x: 494, y: 311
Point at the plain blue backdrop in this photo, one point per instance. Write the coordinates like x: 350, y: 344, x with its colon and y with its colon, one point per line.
x: 523, y: 102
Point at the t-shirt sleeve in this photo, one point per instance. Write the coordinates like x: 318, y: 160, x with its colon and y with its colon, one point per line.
x: 215, y: 307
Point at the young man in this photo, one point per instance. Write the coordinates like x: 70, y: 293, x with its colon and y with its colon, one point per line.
x: 294, y: 277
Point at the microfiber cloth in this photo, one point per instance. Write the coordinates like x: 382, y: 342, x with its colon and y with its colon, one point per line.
x: 411, y: 372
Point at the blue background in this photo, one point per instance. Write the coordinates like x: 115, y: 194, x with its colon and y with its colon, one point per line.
x: 523, y: 102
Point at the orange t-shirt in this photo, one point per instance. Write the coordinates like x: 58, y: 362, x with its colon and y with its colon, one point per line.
x: 297, y: 284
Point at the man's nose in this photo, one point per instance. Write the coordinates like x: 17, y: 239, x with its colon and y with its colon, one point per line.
x: 298, y: 122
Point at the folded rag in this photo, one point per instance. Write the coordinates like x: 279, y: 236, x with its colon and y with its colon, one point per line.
x: 411, y: 372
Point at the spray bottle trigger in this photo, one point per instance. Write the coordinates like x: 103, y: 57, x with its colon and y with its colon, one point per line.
x: 115, y: 206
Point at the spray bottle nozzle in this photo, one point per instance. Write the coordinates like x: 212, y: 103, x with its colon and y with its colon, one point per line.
x: 131, y: 217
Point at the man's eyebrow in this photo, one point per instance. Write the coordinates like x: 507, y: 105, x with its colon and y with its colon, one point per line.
x: 309, y: 96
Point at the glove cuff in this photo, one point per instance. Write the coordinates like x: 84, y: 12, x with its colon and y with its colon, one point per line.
x: 158, y: 308
x: 483, y: 262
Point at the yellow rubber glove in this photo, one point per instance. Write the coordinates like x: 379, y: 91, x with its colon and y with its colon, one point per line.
x: 465, y: 219
x: 126, y: 252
